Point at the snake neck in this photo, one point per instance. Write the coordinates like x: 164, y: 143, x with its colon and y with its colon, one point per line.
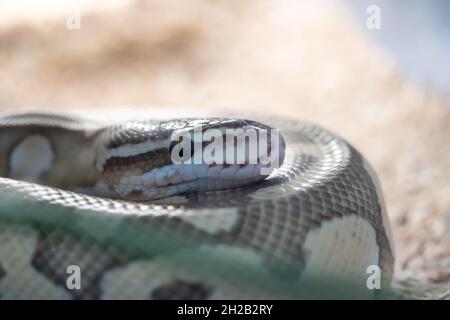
x: 57, y: 157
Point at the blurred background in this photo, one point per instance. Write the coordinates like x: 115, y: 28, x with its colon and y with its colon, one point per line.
x: 378, y: 76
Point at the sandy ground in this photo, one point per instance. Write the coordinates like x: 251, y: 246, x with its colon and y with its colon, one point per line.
x: 298, y: 59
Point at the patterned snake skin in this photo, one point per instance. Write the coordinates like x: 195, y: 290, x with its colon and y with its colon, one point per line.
x: 311, y: 229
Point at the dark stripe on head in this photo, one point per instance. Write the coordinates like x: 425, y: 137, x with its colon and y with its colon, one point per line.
x: 155, y: 158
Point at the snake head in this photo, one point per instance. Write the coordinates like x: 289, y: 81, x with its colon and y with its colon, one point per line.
x: 151, y: 160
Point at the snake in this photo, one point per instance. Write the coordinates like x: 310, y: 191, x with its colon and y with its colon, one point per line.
x: 100, y: 210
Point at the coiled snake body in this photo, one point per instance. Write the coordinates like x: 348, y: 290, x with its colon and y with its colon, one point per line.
x: 106, y: 203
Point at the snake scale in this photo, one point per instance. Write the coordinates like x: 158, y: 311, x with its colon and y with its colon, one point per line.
x: 107, y: 201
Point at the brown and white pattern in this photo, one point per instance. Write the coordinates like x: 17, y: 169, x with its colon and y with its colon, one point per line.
x: 310, y: 230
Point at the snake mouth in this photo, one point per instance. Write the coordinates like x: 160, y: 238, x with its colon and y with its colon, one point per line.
x: 211, y: 175
x: 225, y: 154
x: 176, y: 179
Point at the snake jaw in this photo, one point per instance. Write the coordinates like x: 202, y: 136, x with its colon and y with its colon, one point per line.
x: 156, y: 173
x: 175, y: 179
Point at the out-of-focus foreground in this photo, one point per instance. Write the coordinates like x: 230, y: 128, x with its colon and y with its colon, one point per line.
x: 300, y: 59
